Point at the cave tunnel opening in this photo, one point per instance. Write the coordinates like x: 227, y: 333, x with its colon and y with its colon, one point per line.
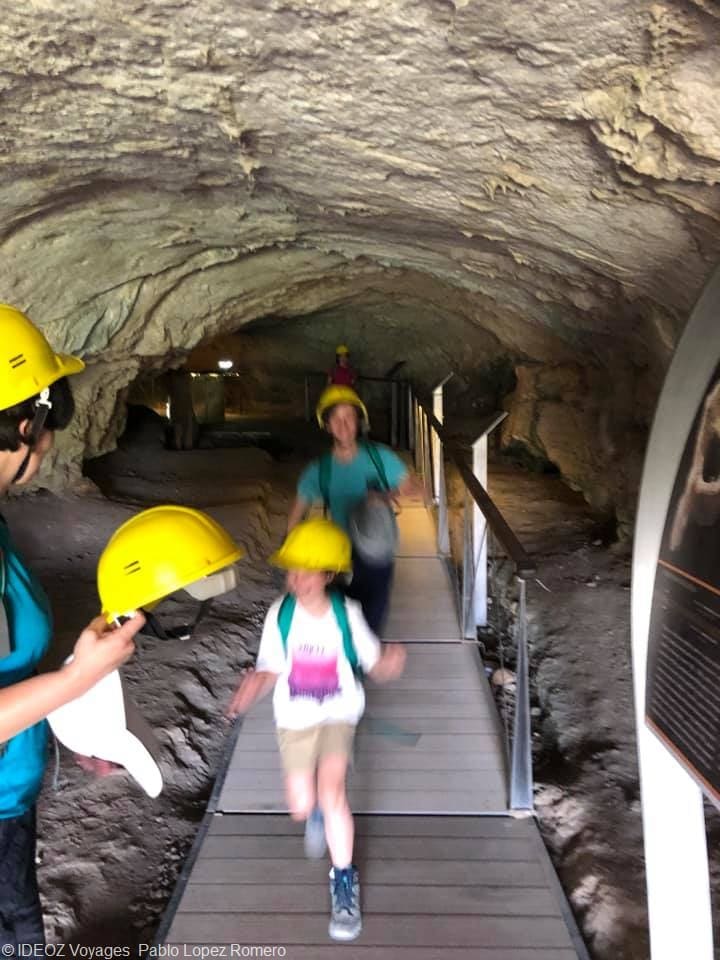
x: 230, y: 387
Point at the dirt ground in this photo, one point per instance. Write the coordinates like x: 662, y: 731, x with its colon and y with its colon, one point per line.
x: 109, y: 856
x: 587, y: 795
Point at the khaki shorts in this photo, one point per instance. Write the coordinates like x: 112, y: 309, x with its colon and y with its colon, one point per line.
x: 302, y: 750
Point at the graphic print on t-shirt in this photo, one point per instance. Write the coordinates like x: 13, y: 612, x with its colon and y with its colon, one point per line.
x: 314, y: 674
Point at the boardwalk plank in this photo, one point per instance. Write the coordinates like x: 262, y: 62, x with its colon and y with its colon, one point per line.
x: 425, y: 873
x: 436, y: 720
x: 464, y: 681
x: 462, y: 744
x: 309, y: 898
x: 368, y: 759
x: 378, y: 929
x: 470, y: 829
x: 406, y: 849
x: 380, y: 800
x: 365, y: 780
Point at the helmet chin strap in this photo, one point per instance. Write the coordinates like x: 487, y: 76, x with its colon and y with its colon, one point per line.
x: 154, y: 628
x: 43, y: 406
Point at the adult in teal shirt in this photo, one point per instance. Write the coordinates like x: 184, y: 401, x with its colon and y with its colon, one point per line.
x: 35, y: 401
x: 353, y: 473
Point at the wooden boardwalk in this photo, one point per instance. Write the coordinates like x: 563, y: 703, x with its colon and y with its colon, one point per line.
x: 420, y: 573
x: 445, y: 872
x: 433, y: 887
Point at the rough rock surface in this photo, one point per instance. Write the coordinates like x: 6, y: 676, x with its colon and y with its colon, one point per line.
x: 470, y: 180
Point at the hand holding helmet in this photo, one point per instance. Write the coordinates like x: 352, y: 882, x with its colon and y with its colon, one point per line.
x: 154, y: 554
x: 101, y: 649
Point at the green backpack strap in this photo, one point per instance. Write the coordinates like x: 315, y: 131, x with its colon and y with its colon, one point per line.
x: 337, y: 601
x: 340, y: 610
x: 285, y: 615
x: 324, y: 471
x: 376, y: 458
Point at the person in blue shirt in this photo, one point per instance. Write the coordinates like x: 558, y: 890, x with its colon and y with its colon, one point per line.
x: 35, y: 401
x: 354, y: 472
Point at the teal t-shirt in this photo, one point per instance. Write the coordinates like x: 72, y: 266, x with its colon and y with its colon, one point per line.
x: 349, y: 482
x: 23, y: 758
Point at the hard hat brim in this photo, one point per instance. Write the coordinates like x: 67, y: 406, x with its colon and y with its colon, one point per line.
x: 168, y: 588
x: 69, y: 365
x: 214, y: 584
x: 358, y: 405
x: 63, y: 365
x: 278, y: 559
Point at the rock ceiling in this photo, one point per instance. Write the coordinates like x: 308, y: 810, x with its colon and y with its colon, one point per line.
x: 540, y: 175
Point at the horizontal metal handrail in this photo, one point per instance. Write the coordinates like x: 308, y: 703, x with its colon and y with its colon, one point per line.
x: 524, y: 565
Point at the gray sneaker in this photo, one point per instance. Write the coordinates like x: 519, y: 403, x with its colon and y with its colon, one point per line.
x: 315, y: 843
x: 345, y: 918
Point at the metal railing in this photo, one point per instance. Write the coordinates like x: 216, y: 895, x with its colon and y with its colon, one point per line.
x: 431, y: 445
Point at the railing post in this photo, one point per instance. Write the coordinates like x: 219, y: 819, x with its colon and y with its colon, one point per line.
x: 438, y: 467
x: 468, y: 573
x: 410, y: 419
x: 479, y: 595
x: 521, y: 786
x: 406, y: 434
x: 427, y: 462
x: 418, y: 439
x: 394, y: 409
x: 436, y: 441
x: 443, y: 534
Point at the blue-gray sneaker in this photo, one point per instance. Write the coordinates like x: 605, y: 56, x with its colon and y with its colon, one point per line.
x: 345, y: 918
x: 315, y: 843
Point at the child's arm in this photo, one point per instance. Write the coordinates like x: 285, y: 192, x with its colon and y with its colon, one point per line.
x: 255, y: 684
x: 390, y: 664
x: 381, y: 662
x: 271, y: 660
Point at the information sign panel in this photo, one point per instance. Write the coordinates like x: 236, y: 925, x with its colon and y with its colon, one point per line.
x: 683, y: 672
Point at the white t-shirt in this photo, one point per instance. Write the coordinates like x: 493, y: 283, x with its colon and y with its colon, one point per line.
x: 315, y: 681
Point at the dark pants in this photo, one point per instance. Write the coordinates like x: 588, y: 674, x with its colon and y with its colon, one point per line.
x: 370, y: 586
x: 20, y: 912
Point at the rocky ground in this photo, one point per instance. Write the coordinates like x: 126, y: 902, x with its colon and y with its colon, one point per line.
x: 587, y: 794
x: 109, y: 856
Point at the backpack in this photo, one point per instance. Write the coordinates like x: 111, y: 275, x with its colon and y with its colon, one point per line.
x: 325, y: 469
x: 337, y: 601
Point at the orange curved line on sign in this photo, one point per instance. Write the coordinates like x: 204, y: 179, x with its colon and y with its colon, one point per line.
x: 688, y: 576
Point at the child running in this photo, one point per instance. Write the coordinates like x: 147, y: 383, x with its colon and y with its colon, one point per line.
x: 314, y: 645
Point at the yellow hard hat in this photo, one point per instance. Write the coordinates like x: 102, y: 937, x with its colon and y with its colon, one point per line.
x: 315, y: 544
x: 157, y: 552
x: 335, y: 394
x: 28, y: 364
x: 341, y: 350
